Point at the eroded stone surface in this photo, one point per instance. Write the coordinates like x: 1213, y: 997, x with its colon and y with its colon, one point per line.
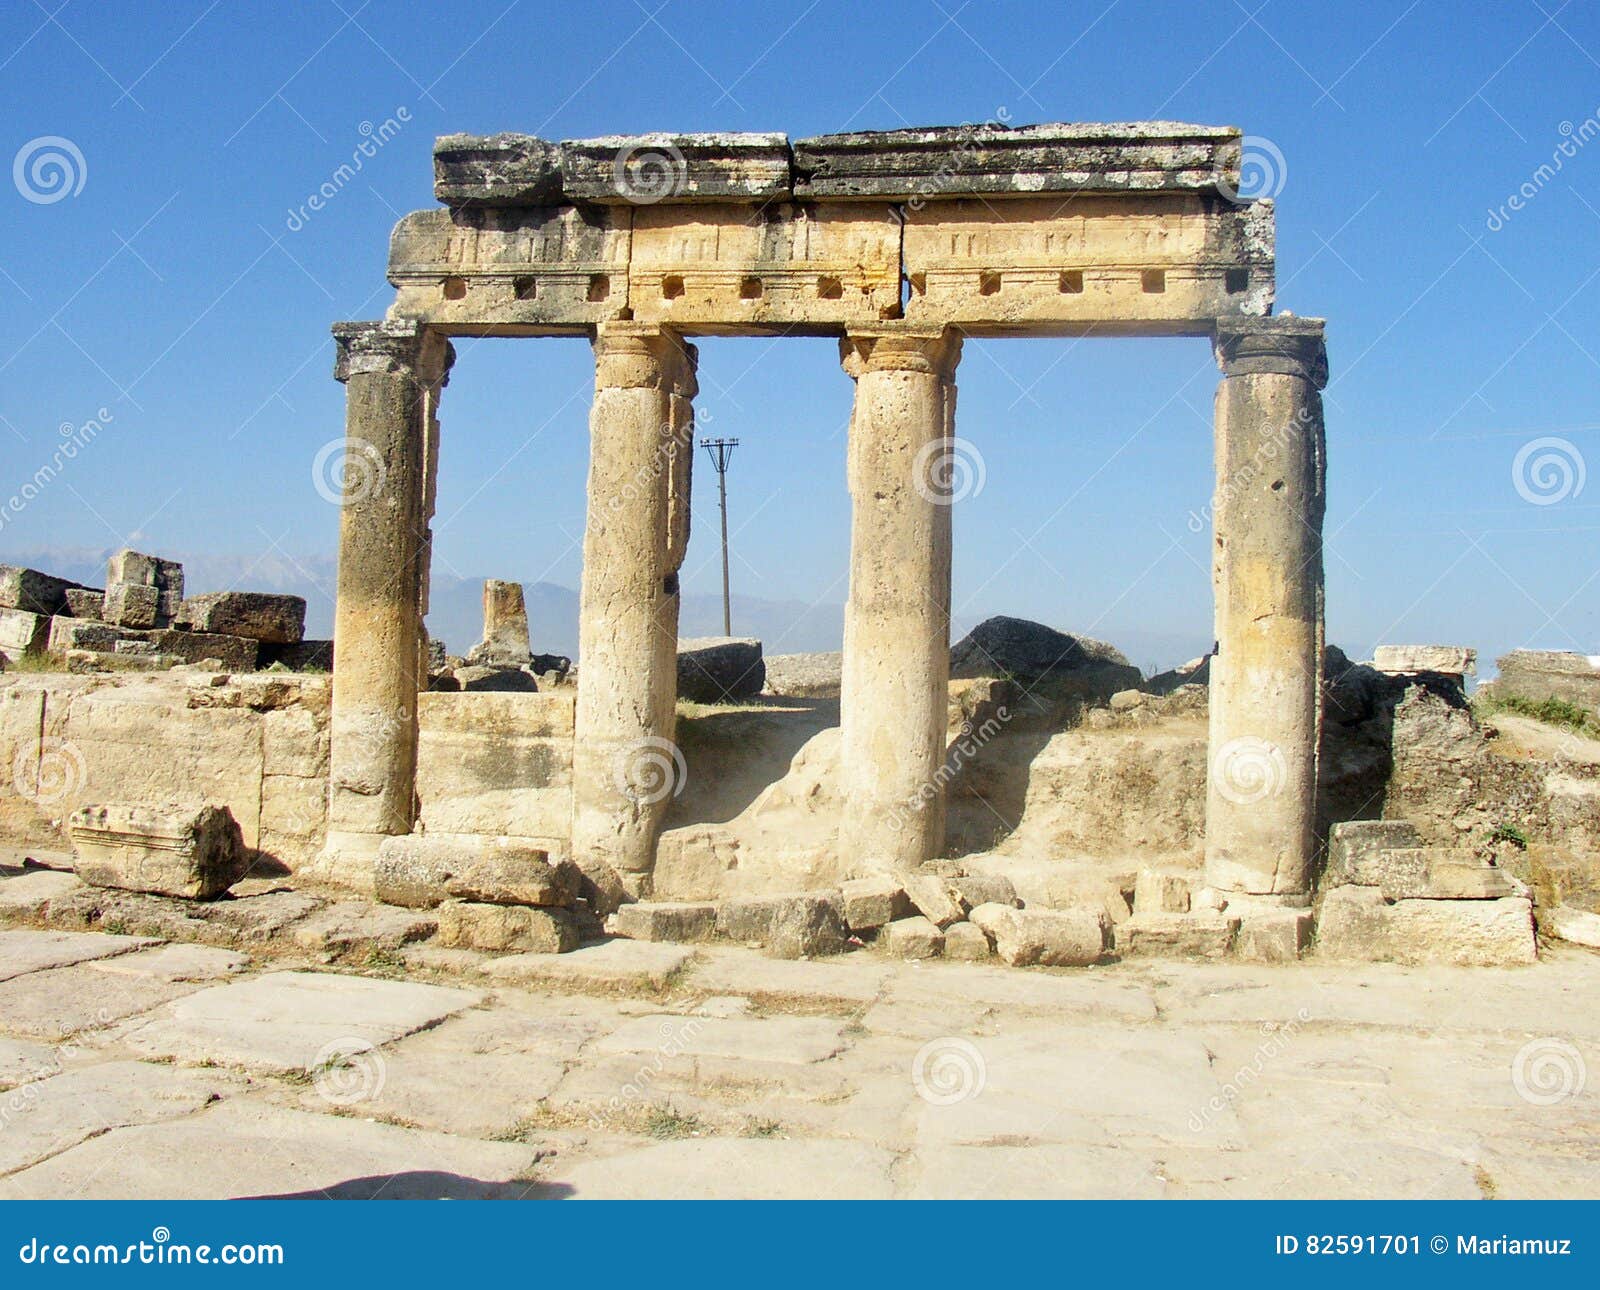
x: 29, y: 951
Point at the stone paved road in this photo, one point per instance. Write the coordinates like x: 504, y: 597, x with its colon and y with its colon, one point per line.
x: 133, y: 1069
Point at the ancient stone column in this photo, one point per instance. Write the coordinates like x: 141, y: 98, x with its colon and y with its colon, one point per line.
x: 1267, y: 578
x: 895, y: 687
x: 626, y: 768
x: 505, y: 626
x: 392, y: 373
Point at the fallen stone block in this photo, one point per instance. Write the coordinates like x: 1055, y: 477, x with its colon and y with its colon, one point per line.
x: 83, y: 633
x: 912, y: 938
x: 82, y: 662
x: 231, y: 653
x: 259, y: 616
x: 1450, y: 660
x: 1577, y: 926
x: 1203, y: 936
x: 720, y: 669
x: 85, y: 602
x: 1430, y: 873
x: 361, y: 927
x: 1274, y: 936
x: 1350, y: 842
x: 302, y: 656
x: 800, y: 925
x: 966, y: 941
x: 804, y: 676
x: 678, y: 922
x: 515, y: 929
x: 130, y: 604
x: 420, y: 871
x: 23, y: 634
x: 935, y: 899
x: 1160, y: 891
x: 484, y: 678
x: 1051, y: 938
x: 974, y: 889
x: 869, y: 903
x: 1358, y: 924
x: 38, y: 593
x: 173, y: 851
x: 128, y: 565
x: 1537, y: 674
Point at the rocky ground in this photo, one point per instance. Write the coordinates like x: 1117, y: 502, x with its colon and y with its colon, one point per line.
x: 133, y: 1067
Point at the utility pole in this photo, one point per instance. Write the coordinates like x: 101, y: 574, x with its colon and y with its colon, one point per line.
x: 721, y: 453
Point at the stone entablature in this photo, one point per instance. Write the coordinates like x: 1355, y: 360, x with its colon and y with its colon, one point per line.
x: 1052, y: 229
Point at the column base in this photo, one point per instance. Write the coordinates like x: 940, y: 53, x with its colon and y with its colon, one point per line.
x: 348, y: 860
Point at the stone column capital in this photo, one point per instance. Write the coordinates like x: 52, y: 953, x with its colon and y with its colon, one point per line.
x: 1282, y: 346
x: 932, y: 352
x: 401, y: 346
x: 640, y: 356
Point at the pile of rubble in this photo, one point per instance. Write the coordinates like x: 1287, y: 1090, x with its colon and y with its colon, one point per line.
x: 503, y: 660
x: 142, y: 621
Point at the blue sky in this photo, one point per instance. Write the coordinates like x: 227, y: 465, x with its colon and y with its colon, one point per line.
x: 170, y: 290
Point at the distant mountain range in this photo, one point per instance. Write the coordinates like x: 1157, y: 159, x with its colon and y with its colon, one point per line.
x: 456, y: 610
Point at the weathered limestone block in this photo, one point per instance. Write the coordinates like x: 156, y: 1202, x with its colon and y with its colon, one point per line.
x: 301, y: 656
x: 966, y: 941
x: 36, y: 592
x: 1205, y: 935
x: 803, y: 925
x: 974, y: 889
x: 1578, y: 926
x: 720, y: 669
x: 666, y: 921
x: 495, y: 679
x: 255, y: 615
x: 421, y: 871
x: 1274, y: 936
x: 912, y: 938
x: 644, y: 169
x: 130, y: 604
x: 934, y: 898
x: 174, y: 851
x: 1357, y: 923
x: 868, y: 903
x: 495, y: 763
x: 1160, y: 891
x: 1434, y: 873
x: 23, y: 634
x: 228, y: 653
x: 1537, y: 674
x: 1451, y: 660
x: 805, y: 676
x: 81, y: 633
x: 496, y: 170
x: 149, y: 570
x: 84, y: 602
x: 991, y: 157
x: 1353, y: 843
x: 1052, y: 938
x: 515, y: 929
x: 505, y: 626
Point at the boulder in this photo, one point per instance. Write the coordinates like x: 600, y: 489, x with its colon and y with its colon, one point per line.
x: 799, y: 925
x: 1016, y: 647
x: 256, y: 615
x: 421, y: 871
x: 194, y: 853
x: 912, y: 938
x: 1052, y: 938
x: 666, y: 921
x: 515, y: 929
x: 720, y: 669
